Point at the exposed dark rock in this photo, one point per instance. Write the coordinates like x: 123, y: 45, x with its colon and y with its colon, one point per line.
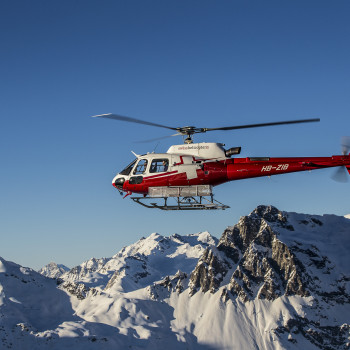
x: 169, y: 284
x: 209, y: 272
x: 317, y: 222
x: 113, y: 279
x: 78, y: 289
x: 311, y: 221
x: 324, y: 337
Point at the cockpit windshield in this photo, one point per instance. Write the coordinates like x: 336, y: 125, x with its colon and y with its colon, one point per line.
x: 128, y: 169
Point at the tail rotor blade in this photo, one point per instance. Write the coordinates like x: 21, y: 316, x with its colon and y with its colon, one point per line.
x: 345, y: 144
x: 341, y: 175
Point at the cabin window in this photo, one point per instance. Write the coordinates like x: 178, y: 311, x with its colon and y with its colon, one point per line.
x: 141, y: 167
x: 128, y: 169
x: 159, y: 165
x: 135, y: 180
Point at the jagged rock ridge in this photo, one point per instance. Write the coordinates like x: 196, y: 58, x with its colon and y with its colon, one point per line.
x: 260, y: 265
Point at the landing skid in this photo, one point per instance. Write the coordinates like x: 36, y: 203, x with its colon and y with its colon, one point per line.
x: 182, y: 203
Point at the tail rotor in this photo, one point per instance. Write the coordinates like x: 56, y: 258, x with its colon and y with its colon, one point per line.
x: 341, y: 174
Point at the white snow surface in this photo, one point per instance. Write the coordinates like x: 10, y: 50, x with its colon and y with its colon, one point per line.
x: 108, y: 303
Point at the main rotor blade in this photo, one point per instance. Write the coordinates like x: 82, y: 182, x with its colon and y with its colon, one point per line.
x: 131, y: 120
x: 263, y: 124
x: 157, y: 138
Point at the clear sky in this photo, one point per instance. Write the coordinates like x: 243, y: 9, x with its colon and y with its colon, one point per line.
x: 183, y: 62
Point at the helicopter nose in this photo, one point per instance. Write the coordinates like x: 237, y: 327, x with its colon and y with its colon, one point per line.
x: 118, y: 182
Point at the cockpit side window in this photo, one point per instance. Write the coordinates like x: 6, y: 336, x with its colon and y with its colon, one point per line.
x: 141, y: 167
x: 159, y: 165
x: 128, y: 169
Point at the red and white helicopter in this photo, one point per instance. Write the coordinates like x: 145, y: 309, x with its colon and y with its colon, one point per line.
x: 187, y: 173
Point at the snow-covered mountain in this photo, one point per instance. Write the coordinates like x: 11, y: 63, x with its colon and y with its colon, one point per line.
x: 142, y: 263
x: 53, y: 270
x: 275, y: 280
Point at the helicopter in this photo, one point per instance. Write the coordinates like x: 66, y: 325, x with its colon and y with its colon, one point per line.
x: 183, y: 177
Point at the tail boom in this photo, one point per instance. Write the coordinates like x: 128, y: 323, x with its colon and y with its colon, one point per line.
x: 242, y: 168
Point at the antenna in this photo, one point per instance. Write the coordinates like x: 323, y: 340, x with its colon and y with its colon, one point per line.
x: 154, y: 149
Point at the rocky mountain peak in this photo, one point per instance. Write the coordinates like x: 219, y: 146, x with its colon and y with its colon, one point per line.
x: 269, y: 213
x: 252, y: 261
x: 53, y: 270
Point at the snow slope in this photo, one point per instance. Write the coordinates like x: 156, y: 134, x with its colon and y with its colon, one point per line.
x: 275, y: 280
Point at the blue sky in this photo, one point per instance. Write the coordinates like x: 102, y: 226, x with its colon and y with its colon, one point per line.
x: 202, y: 63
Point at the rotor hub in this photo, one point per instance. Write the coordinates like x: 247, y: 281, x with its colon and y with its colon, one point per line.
x: 187, y: 130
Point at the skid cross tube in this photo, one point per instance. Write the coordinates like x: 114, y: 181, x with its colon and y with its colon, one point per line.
x: 183, y: 203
